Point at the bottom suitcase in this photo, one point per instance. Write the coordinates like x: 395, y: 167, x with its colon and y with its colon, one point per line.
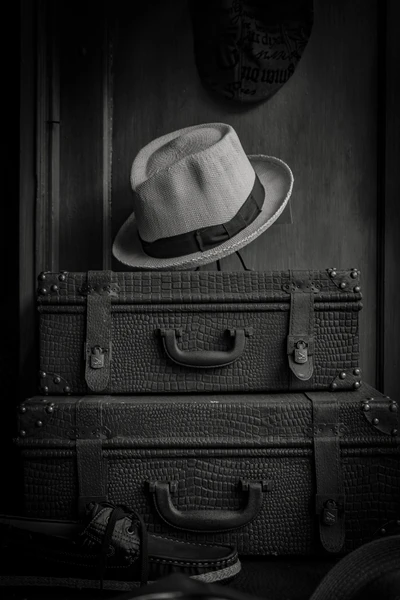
x: 280, y: 474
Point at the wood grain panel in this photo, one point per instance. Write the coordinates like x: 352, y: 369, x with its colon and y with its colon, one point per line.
x: 81, y: 54
x: 24, y: 325
x: 390, y: 199
x: 322, y: 123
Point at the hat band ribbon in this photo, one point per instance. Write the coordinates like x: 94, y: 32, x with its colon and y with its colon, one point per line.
x: 208, y: 237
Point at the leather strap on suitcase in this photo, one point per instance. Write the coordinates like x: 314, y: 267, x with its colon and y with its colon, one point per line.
x: 91, y: 464
x: 300, y: 341
x: 98, y: 331
x: 329, y: 500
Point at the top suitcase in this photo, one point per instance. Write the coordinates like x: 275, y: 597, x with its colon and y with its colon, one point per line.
x: 198, y: 331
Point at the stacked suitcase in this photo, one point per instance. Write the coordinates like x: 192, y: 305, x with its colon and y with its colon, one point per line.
x: 224, y: 407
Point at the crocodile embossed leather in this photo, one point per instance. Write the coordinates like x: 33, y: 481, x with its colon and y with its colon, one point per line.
x: 198, y: 332
x: 282, y: 474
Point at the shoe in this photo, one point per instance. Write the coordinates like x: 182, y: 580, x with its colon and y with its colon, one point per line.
x: 110, y: 549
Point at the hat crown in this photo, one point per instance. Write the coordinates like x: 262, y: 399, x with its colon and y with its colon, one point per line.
x: 190, y: 179
x: 181, y: 147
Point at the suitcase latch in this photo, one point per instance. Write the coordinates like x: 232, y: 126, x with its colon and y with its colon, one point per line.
x: 95, y: 355
x: 330, y: 513
x: 329, y: 508
x: 301, y: 352
x: 97, y: 358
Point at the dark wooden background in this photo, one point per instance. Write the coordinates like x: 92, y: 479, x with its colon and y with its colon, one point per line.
x: 98, y: 80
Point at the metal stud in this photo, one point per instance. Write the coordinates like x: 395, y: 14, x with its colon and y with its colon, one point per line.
x: 57, y: 379
x: 43, y: 291
x: 22, y: 433
x: 366, y: 407
x: 354, y: 274
x: 42, y: 374
x: 357, y: 288
x: 334, y: 385
x: 383, y: 531
x: 42, y: 276
x: 67, y: 389
x: 22, y: 409
x: 45, y: 389
x: 49, y: 409
x: 356, y: 384
x: 376, y: 421
x: 333, y: 273
x: 356, y: 371
x: 342, y: 375
x: 398, y: 522
x: 54, y: 287
x: 393, y: 406
x: 394, y: 432
x: 343, y: 285
x: 39, y: 423
x: 61, y: 277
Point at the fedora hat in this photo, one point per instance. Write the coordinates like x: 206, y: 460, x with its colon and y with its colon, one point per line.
x: 198, y: 197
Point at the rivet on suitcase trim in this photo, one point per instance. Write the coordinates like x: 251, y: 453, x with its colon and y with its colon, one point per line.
x: 53, y: 383
x: 382, y: 414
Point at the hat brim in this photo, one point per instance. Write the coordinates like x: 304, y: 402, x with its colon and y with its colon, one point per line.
x: 277, y: 179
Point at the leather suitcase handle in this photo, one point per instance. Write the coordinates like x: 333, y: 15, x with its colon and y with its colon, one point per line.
x: 208, y: 520
x: 205, y: 359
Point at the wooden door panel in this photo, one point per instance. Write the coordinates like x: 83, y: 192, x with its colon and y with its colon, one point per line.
x: 81, y: 137
x: 74, y: 144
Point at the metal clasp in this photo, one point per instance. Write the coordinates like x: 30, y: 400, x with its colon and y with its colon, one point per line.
x: 96, y: 356
x: 330, y: 513
x: 301, y: 352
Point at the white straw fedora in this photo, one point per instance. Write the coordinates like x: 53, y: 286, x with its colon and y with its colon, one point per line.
x: 198, y: 197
